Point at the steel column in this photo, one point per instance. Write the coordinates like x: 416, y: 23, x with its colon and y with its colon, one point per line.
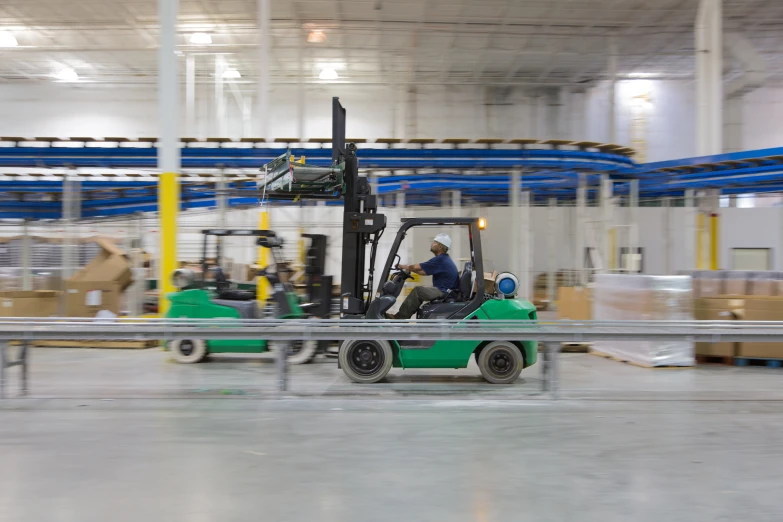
x: 264, y: 79
x: 190, y: 94
x: 516, y: 225
x: 526, y: 246
x: 552, y: 257
x: 168, y: 147
x: 709, y: 78
x: 579, y: 228
x: 27, y: 281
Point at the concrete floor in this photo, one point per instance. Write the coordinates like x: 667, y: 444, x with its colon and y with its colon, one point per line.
x: 128, y: 436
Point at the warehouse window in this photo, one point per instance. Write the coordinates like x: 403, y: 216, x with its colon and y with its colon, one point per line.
x: 751, y: 258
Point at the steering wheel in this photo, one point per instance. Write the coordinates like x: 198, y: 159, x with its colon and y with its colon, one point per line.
x: 221, y: 281
x: 400, y: 272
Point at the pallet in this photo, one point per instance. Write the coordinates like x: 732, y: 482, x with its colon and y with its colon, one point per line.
x: 575, y: 347
x: 715, y: 359
x: 758, y: 361
x: 119, y: 345
x: 638, y: 365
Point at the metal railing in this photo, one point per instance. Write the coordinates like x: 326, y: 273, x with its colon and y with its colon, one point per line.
x: 550, y: 333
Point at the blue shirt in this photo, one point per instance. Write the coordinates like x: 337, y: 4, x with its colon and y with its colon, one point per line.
x: 445, y: 275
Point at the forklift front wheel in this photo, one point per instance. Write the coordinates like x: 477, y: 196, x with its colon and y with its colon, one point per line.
x: 188, y: 351
x: 366, y: 361
x: 301, y: 352
x: 500, y: 362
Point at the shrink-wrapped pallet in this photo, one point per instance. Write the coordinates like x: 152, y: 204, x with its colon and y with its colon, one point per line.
x: 619, y: 297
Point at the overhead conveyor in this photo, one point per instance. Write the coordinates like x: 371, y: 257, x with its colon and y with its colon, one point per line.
x: 118, y: 176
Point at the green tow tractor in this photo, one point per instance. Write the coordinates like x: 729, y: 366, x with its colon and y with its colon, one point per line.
x: 200, y: 298
x: 369, y: 360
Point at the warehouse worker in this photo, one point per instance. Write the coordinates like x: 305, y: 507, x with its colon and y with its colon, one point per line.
x: 445, y: 277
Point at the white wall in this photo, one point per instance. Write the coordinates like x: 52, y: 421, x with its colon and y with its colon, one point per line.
x: 739, y: 228
x: 671, y: 117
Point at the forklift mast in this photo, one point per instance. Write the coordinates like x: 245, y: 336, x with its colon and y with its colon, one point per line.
x: 362, y: 225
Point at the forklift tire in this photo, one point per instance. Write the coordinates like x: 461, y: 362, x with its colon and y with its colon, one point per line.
x: 188, y: 351
x: 302, y: 352
x: 366, y: 361
x: 500, y: 362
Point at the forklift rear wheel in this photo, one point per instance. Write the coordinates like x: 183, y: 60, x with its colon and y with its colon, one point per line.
x: 500, y: 362
x: 365, y: 361
x: 301, y: 352
x: 188, y: 350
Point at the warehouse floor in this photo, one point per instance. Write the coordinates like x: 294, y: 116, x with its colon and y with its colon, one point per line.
x: 85, y: 373
x: 127, y: 436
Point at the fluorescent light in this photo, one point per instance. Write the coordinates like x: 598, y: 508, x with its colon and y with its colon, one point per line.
x: 316, y: 36
x: 643, y: 75
x: 66, y: 75
x: 231, y: 74
x: 200, y: 39
x: 328, y: 74
x: 7, y: 40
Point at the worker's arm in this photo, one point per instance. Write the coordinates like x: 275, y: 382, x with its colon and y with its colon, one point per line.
x: 416, y: 269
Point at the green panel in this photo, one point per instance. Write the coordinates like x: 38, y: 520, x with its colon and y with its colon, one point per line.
x: 511, y: 310
x: 197, y: 304
x: 456, y: 354
x: 442, y: 354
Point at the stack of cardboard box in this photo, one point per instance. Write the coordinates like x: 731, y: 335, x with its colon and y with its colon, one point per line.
x: 31, y: 303
x: 575, y: 303
x: 739, y: 295
x: 100, y: 284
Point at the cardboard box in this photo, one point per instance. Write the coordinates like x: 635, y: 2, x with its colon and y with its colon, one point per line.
x: 87, y: 298
x: 489, y: 282
x: 708, y: 283
x: 111, y: 264
x: 736, y: 283
x: 99, y: 285
x: 575, y: 303
x: 34, y: 303
x: 718, y: 309
x: 758, y: 308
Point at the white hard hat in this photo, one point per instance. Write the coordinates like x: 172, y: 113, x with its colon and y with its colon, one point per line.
x: 444, y: 240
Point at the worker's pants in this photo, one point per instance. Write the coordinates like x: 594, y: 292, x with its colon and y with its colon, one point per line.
x: 418, y: 295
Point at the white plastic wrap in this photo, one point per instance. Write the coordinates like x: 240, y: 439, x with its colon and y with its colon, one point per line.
x: 619, y: 297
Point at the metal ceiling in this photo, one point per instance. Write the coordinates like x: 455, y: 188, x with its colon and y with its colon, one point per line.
x: 488, y: 42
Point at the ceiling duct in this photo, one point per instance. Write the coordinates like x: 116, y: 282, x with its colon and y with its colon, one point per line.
x: 754, y: 70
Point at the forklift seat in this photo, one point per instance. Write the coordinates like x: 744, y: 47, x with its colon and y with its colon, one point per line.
x: 452, y: 302
x: 236, y: 295
x: 246, y: 309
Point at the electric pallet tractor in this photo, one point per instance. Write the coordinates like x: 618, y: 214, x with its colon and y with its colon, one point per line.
x: 218, y: 298
x: 369, y: 360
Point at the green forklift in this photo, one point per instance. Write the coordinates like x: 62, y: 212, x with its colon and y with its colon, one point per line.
x: 217, y: 297
x: 500, y: 362
x: 369, y: 360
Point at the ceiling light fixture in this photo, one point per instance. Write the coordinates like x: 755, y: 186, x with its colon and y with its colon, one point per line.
x: 643, y: 75
x: 200, y: 39
x: 328, y: 74
x: 66, y: 74
x: 231, y: 74
x: 316, y: 36
x: 7, y: 40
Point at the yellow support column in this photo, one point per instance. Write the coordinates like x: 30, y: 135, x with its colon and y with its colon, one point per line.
x: 714, y: 230
x: 262, y: 285
x: 168, y: 209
